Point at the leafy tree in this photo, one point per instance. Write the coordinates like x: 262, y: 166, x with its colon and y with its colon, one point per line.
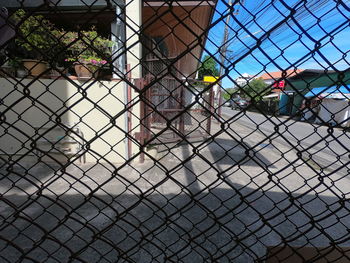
x: 208, y: 67
x: 227, y: 94
x: 255, y: 89
x: 87, y: 46
x: 36, y: 35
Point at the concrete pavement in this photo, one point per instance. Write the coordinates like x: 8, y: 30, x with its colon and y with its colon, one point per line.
x: 222, y: 200
x: 327, y: 148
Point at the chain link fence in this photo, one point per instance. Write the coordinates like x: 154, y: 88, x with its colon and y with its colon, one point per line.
x: 174, y: 131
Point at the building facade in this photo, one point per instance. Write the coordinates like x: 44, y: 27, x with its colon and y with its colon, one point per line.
x: 66, y: 113
x: 300, y: 84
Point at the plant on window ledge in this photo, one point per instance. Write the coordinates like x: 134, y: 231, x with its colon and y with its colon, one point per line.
x: 88, y: 51
x: 17, y: 65
x: 38, y: 39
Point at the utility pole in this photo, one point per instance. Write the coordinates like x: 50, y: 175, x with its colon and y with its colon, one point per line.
x: 223, y: 51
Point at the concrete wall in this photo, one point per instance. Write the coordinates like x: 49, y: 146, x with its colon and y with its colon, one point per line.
x: 58, y: 104
x: 76, y: 104
x: 133, y: 24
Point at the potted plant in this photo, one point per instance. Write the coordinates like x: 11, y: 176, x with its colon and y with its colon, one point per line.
x: 88, y: 67
x: 17, y: 65
x: 38, y: 39
x: 88, y: 52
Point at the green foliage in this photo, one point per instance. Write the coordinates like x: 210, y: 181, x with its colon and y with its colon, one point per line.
x: 227, y: 94
x: 255, y: 89
x: 37, y: 35
x: 208, y: 67
x: 42, y: 40
x: 15, y: 63
x: 87, y: 47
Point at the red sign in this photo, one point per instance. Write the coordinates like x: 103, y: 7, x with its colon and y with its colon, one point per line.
x: 279, y: 84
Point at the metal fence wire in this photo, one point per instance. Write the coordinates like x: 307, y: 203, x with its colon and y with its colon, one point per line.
x: 174, y: 131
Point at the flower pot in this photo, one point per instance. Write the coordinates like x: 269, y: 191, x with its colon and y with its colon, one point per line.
x: 82, y: 71
x: 34, y: 67
x: 85, y: 71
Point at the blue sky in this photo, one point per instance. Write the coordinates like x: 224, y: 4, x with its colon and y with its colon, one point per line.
x: 317, y: 22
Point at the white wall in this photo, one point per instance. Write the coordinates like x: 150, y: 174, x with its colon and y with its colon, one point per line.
x: 133, y: 24
x: 77, y: 105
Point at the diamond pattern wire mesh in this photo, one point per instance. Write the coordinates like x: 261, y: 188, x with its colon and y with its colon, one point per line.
x: 114, y: 147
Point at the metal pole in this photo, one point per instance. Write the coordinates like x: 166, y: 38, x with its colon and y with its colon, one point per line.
x: 222, y: 57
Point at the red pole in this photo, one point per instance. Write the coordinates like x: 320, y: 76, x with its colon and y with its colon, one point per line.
x: 182, y: 116
x: 129, y: 116
x: 220, y: 99
x: 212, y: 109
x: 139, y: 83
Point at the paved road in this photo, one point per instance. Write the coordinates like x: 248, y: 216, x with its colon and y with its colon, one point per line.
x: 328, y: 148
x: 218, y: 203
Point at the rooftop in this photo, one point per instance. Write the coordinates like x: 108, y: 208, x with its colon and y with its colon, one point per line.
x: 278, y: 74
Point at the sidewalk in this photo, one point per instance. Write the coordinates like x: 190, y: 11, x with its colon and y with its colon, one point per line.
x: 223, y: 199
